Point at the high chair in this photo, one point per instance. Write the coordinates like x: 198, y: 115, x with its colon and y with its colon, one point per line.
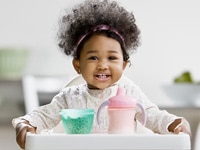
x: 58, y: 140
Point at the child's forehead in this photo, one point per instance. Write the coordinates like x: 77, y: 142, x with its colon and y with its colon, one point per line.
x: 101, y: 41
x: 97, y: 36
x: 98, y: 51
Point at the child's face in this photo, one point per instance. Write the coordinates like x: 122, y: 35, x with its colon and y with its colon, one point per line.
x: 101, y: 62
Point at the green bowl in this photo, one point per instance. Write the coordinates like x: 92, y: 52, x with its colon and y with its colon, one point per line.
x: 77, y: 121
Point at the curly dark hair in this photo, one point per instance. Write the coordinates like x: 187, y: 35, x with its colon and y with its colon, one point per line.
x: 91, y: 13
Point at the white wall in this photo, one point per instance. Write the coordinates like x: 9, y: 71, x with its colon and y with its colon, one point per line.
x: 170, y: 39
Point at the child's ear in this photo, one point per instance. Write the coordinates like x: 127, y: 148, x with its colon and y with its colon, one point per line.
x: 125, y: 64
x: 76, y: 64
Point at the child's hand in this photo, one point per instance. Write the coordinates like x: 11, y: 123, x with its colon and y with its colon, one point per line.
x: 180, y: 125
x: 21, y: 129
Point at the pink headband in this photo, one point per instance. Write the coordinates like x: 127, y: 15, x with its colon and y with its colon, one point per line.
x: 100, y: 28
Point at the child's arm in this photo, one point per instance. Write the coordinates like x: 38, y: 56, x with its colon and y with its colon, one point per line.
x: 21, y: 130
x: 161, y: 121
x: 44, y: 117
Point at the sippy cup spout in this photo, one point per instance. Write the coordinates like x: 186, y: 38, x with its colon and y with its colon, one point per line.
x: 120, y: 91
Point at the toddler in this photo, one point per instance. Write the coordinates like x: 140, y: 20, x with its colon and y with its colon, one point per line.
x: 100, y: 35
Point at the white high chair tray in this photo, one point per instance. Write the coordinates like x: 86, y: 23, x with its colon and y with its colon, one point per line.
x: 107, y: 142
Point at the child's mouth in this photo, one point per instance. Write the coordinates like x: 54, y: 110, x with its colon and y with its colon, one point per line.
x: 102, y: 76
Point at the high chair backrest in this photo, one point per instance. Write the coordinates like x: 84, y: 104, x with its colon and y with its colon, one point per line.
x: 75, y: 81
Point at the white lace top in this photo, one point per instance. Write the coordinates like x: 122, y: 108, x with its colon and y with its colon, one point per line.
x: 47, y: 116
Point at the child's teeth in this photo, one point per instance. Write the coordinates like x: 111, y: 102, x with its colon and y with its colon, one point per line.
x: 102, y: 76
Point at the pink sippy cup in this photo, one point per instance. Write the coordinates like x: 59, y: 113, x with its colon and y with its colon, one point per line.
x: 121, y: 112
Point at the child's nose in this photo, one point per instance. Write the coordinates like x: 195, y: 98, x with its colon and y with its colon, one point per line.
x: 102, y: 65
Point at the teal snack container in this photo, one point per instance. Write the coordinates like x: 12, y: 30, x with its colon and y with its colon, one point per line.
x: 77, y: 121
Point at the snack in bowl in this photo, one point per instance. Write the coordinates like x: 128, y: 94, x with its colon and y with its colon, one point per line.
x: 77, y: 121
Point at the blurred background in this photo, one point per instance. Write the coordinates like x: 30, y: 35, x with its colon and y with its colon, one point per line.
x: 170, y: 36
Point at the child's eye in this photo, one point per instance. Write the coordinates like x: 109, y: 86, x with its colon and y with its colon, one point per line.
x: 112, y: 58
x: 93, y: 58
